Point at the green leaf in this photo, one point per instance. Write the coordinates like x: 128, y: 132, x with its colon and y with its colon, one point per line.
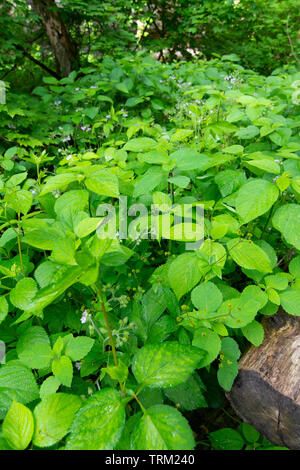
x: 87, y: 226
x: 148, y: 181
x: 23, y: 293
x: 290, y: 301
x: 208, y: 341
x: 3, y: 308
x: 165, y: 365
x: 53, y: 418
x: 119, y: 372
x: 189, y: 159
x: 249, y: 433
x: 207, y: 297
x: 153, y: 430
x: 226, y: 439
x: 255, y: 198
x: 38, y: 356
x: 294, y: 267
x: 59, y: 182
x: 184, y: 273
x: 16, y: 382
x: 254, y: 333
x: 228, y: 368
x: 188, y: 395
x: 77, y: 348
x: 49, y: 386
x: 18, y: 426
x: 140, y: 144
x: 99, y: 422
x: 180, y: 181
x: 19, y: 201
x: 249, y: 255
x: 63, y: 370
x: 103, y: 182
x: 269, y: 166
x: 287, y: 220
x: 33, y: 348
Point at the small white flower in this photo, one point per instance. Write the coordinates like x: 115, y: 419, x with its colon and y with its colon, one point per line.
x: 69, y: 157
x: 108, y: 116
x: 93, y: 86
x: 78, y: 365
x: 33, y: 191
x: 84, y: 317
x: 77, y: 89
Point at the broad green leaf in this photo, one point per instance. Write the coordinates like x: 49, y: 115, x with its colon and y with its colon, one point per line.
x: 165, y: 365
x: 49, y: 386
x: 294, y: 267
x: 254, y: 333
x: 18, y: 426
x: 87, y: 226
x: 148, y: 181
x: 249, y: 255
x: 255, y: 198
x: 228, y: 368
x: 290, y: 301
x: 269, y: 166
x: 287, y: 220
x: 3, y: 308
x: 22, y: 295
x: 59, y: 182
x: 249, y: 432
x: 78, y: 347
x: 99, y: 422
x: 53, y: 418
x: 103, y: 182
x: 208, y: 341
x: 63, y: 370
x: 188, y: 395
x: 16, y: 382
x: 19, y: 201
x: 36, y: 356
x: 153, y: 430
x: 226, y: 439
x: 207, y: 297
x: 184, y: 273
x: 189, y: 159
x: 140, y: 144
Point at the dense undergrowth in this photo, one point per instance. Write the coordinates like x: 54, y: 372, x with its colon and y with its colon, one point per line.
x: 113, y: 343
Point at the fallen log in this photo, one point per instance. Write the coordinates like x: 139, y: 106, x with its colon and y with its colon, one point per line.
x: 266, y: 392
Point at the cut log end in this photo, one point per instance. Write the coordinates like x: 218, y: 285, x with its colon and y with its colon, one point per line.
x: 266, y: 392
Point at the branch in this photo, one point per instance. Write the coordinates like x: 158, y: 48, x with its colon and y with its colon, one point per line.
x: 290, y: 41
x: 37, y: 62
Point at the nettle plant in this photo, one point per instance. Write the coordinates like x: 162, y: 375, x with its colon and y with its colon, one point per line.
x: 111, y: 342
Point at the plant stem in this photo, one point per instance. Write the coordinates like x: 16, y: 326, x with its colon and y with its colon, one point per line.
x: 111, y: 339
x: 19, y: 246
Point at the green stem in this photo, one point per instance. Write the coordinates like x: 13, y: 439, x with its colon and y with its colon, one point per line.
x: 111, y: 339
x: 19, y: 246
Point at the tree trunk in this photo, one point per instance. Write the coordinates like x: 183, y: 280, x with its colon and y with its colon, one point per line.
x: 266, y: 392
x: 64, y: 48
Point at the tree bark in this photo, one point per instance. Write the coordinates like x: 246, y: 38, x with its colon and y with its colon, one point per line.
x: 64, y: 48
x: 266, y: 392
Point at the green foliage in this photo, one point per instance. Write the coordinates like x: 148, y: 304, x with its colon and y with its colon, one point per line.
x: 111, y: 342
